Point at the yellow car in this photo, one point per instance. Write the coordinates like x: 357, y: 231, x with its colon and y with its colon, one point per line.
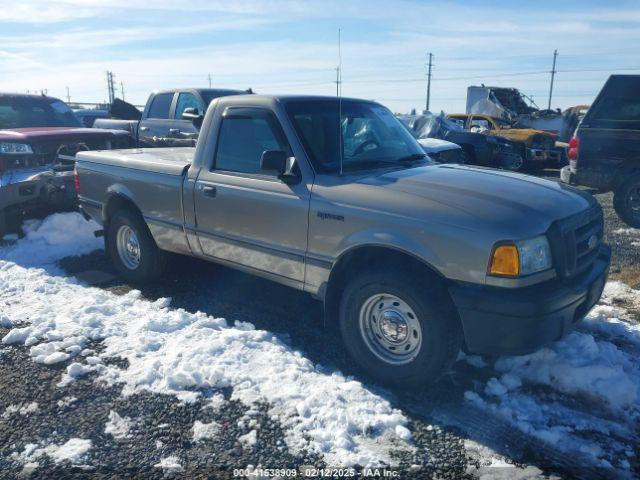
x: 538, y: 146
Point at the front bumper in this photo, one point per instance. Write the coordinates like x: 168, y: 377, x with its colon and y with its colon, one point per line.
x: 34, y: 188
x: 567, y: 176
x: 502, y: 321
x: 538, y: 156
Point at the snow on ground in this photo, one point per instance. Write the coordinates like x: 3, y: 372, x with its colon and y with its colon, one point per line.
x: 118, y: 426
x: 170, y: 465
x: 177, y: 352
x: 597, y: 365
x: 74, y: 450
x: 486, y: 464
x: 23, y: 409
x: 203, y: 431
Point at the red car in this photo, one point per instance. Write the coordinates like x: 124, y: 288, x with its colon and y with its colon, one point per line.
x: 39, y: 135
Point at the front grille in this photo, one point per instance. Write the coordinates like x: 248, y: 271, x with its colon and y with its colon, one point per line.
x: 576, y: 241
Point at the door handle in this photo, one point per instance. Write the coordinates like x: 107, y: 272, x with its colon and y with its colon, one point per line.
x: 144, y: 129
x: 174, y: 130
x: 209, y: 190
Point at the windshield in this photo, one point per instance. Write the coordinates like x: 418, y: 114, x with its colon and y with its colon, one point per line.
x: 24, y: 112
x: 371, y: 136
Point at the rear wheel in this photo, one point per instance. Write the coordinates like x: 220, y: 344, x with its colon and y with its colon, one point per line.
x: 626, y: 200
x: 132, y: 249
x: 401, y: 334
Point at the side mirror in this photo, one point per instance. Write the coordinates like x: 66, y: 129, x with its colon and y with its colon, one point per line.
x: 277, y: 161
x: 274, y: 160
x: 192, y: 114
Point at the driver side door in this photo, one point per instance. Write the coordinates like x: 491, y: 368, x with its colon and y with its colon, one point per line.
x: 248, y: 217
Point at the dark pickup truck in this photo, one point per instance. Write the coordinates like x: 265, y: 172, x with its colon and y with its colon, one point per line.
x: 39, y: 137
x: 171, y: 118
x: 605, y: 151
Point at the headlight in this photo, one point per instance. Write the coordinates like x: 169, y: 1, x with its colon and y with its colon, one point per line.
x: 19, y: 148
x: 517, y: 259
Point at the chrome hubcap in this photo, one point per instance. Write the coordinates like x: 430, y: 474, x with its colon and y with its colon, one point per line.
x: 128, y: 247
x: 390, y: 329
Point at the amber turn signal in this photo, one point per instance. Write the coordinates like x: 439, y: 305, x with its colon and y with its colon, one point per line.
x: 505, y: 261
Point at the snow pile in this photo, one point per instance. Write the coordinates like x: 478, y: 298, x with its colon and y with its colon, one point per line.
x: 203, y: 431
x: 170, y: 466
x: 57, y: 236
x: 22, y: 409
x: 178, y: 352
x: 249, y: 440
x: 74, y: 450
x: 485, y: 464
x: 598, y: 362
x: 118, y: 427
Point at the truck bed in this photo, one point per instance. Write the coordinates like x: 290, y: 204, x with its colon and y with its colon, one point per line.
x: 168, y: 161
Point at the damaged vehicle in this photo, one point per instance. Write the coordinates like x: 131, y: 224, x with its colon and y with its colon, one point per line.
x: 441, y: 151
x: 479, y: 149
x: 511, y: 106
x: 171, y: 118
x: 39, y: 137
x: 538, y: 147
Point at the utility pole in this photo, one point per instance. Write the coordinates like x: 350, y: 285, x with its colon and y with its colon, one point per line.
x: 68, y: 95
x: 429, y: 80
x: 110, y: 87
x: 553, y: 74
x: 122, y: 89
x: 209, y: 76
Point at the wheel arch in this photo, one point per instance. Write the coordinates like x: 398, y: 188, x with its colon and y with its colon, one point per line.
x: 361, y: 257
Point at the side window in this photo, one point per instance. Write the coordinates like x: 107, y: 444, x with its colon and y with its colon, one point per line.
x: 243, y: 139
x: 160, y: 106
x: 186, y: 100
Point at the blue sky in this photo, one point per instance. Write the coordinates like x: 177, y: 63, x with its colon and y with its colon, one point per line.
x: 290, y: 46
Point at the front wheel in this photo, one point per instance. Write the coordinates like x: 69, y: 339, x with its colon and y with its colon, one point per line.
x: 132, y: 249
x: 626, y: 200
x: 403, y: 335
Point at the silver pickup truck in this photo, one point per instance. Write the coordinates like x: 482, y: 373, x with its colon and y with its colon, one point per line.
x: 412, y: 260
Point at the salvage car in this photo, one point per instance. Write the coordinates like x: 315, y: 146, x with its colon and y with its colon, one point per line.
x: 536, y: 146
x: 412, y: 259
x: 484, y: 150
x: 605, y: 152
x: 442, y: 151
x: 171, y: 118
x: 39, y: 136
x: 520, y: 111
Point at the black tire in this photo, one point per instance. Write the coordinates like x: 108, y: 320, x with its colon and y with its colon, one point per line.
x: 626, y: 200
x: 152, y: 260
x: 441, y: 331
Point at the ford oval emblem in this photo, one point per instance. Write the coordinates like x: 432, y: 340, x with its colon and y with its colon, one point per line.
x: 592, y: 242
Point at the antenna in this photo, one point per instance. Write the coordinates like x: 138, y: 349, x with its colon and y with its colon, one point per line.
x: 339, y: 88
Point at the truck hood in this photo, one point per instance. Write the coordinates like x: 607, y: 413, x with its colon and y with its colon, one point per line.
x: 435, y: 145
x: 507, y: 199
x: 55, y: 133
